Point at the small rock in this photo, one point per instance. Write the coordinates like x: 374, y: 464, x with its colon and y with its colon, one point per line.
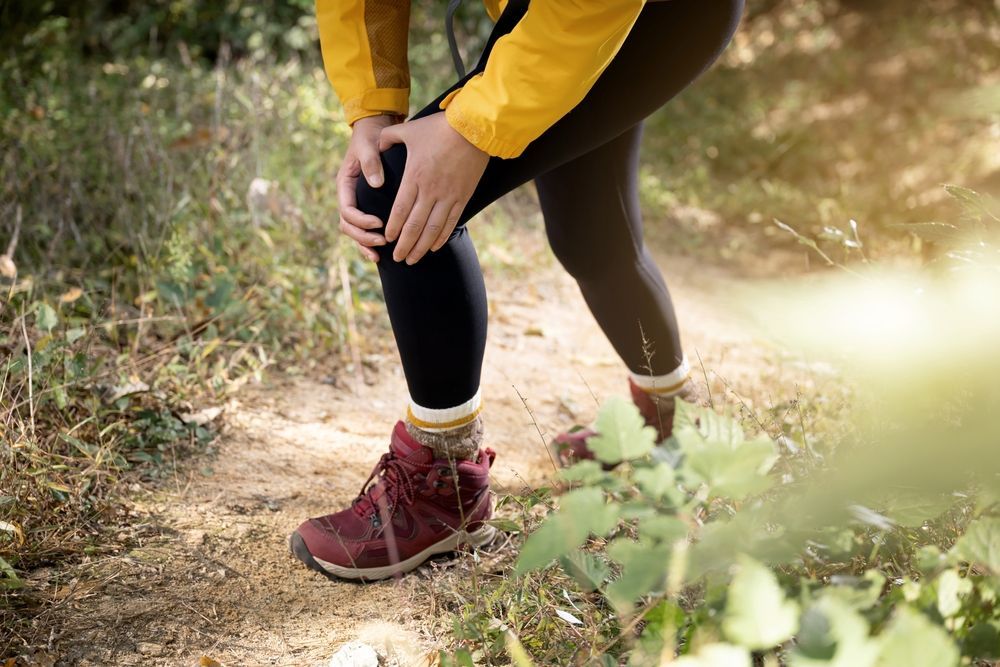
x: 355, y: 654
x: 196, y: 537
x: 201, y: 417
x: 149, y: 648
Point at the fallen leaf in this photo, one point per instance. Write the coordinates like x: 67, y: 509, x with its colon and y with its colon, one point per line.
x: 7, y: 267
x: 13, y: 528
x: 568, y: 617
x: 71, y: 295
x: 127, y: 389
x: 205, y: 661
x: 432, y: 659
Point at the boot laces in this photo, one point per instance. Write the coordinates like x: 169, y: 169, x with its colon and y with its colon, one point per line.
x: 392, y: 480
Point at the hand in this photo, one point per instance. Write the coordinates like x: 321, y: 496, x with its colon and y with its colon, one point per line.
x: 442, y: 171
x: 362, y: 157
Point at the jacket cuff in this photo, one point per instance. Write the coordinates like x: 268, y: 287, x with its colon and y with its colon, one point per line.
x: 377, y: 101
x: 479, y: 131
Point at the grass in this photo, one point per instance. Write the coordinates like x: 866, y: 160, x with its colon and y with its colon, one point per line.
x: 819, y: 116
x: 148, y: 287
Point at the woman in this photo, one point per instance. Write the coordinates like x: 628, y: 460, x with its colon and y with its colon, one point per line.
x: 558, y: 96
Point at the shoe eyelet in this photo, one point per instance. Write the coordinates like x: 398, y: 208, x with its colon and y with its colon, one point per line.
x: 376, y: 521
x: 438, y: 484
x: 444, y: 472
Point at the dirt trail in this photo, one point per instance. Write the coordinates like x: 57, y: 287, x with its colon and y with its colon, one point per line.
x: 214, y: 577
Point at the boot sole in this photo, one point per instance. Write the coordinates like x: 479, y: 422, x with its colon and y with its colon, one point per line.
x: 476, y: 538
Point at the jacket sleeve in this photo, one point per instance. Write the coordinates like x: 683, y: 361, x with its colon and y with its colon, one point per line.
x: 364, y: 46
x: 539, y: 71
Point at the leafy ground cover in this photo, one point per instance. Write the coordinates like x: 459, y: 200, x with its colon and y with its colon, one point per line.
x: 870, y: 543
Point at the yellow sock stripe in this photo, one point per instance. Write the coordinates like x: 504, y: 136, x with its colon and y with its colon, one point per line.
x: 454, y: 423
x: 667, y: 390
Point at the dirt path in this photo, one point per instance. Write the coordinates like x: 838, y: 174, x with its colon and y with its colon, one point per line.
x: 214, y: 577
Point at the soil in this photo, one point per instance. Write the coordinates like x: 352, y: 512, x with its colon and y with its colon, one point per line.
x: 212, y: 578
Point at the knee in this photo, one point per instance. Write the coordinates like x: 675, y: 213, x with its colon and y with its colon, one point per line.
x: 378, y: 201
x: 587, y: 258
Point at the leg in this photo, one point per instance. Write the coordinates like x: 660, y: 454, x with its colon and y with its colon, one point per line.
x: 422, y: 501
x: 670, y: 44
x: 598, y: 239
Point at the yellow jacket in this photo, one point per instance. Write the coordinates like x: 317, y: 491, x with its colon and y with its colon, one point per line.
x: 534, y: 76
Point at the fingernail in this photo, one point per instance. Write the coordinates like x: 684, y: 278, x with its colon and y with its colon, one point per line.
x: 376, y: 181
x: 410, y: 262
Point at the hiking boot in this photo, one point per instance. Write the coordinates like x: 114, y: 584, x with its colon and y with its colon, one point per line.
x: 417, y: 507
x: 571, y: 446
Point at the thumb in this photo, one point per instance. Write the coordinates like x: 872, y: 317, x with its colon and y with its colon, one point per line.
x: 371, y: 166
x: 391, y: 136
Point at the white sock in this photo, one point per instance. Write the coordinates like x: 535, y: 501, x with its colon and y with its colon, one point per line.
x: 434, y: 420
x: 667, y: 385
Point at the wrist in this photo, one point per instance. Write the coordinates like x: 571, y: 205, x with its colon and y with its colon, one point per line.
x: 380, y: 119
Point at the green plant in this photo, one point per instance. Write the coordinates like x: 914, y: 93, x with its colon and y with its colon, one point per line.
x: 670, y: 558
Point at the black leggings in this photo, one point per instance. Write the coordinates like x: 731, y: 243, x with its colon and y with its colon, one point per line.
x: 585, y: 168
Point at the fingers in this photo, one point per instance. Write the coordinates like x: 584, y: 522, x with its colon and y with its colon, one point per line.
x: 401, y: 207
x: 368, y: 253
x: 359, y: 218
x: 391, y: 136
x: 432, y: 230
x: 361, y: 236
x: 371, y: 164
x: 449, y: 226
x: 348, y: 199
x: 412, y: 228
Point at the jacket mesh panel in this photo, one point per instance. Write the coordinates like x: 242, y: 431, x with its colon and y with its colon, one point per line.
x: 387, y: 23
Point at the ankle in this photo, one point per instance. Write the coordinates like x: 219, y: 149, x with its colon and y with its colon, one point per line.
x: 461, y: 443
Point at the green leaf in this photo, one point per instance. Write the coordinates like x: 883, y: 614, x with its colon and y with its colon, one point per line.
x: 622, y: 434
x: 980, y: 545
x: 644, y: 568
x: 9, y: 580
x: 833, y: 635
x: 951, y: 588
x: 505, y: 524
x: 585, y: 472
x: 717, y: 454
x: 934, y: 232
x: 656, y: 481
x: 757, y: 614
x: 859, y: 593
x: 45, y: 317
x: 911, y: 507
x: 973, y: 203
x: 912, y: 640
x: 983, y: 641
x: 585, y: 568
x: 666, y: 529
x: 715, y: 655
x: 581, y: 512
x: 666, y: 613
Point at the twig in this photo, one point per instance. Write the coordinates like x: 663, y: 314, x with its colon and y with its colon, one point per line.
x: 534, y: 422
x: 31, y: 383
x: 12, y: 246
x: 352, y: 326
x: 704, y: 372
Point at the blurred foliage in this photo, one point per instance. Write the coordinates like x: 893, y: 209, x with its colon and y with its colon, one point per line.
x: 875, y: 543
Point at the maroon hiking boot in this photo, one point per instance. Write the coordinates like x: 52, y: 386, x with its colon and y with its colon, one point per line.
x: 418, y: 506
x: 571, y: 446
